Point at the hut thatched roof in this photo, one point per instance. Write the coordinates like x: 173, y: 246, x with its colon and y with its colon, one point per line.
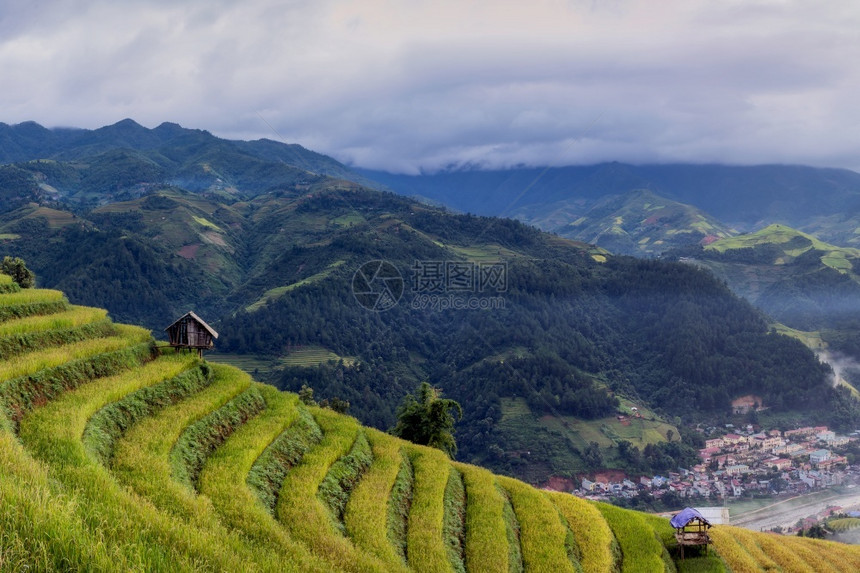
x: 199, y: 320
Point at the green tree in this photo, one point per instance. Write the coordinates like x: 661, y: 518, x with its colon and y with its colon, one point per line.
x: 17, y: 269
x: 306, y: 396
x: 778, y: 484
x: 428, y: 419
x: 337, y: 404
x: 592, y: 455
x: 624, y: 449
x: 816, y: 531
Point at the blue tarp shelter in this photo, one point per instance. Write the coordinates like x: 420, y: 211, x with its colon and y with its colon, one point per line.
x: 685, y: 516
x: 691, y: 528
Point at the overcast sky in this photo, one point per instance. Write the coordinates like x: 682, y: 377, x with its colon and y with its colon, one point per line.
x: 406, y: 85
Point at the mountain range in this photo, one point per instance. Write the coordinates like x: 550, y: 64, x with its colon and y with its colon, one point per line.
x: 267, y: 241
x: 745, y: 198
x: 747, y: 225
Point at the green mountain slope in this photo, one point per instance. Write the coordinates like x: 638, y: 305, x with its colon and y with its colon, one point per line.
x: 792, y: 244
x: 115, y: 456
x: 838, y: 228
x: 639, y: 223
x: 153, y: 223
x: 574, y: 342
x: 801, y: 281
x: 575, y: 337
x: 124, y: 160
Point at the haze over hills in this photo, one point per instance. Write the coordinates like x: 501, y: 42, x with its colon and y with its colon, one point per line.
x: 152, y: 223
x: 744, y: 197
x: 799, y: 280
x: 822, y: 201
x: 603, y: 204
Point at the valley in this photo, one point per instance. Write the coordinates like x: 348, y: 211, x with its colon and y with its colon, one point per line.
x: 594, y: 362
x: 582, y: 335
x: 429, y: 287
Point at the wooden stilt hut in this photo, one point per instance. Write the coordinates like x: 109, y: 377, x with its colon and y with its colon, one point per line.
x: 190, y: 331
x: 691, y: 529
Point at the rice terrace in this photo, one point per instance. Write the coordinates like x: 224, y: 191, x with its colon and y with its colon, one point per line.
x: 116, y: 455
x: 452, y: 286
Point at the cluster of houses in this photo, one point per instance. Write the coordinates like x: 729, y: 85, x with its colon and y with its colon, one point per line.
x: 742, y: 461
x: 685, y: 483
x: 808, y: 448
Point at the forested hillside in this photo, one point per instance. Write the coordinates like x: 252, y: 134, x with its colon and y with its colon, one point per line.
x: 565, y: 333
x: 799, y: 280
x: 575, y: 330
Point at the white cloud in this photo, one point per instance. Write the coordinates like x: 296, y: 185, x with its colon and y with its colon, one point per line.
x: 420, y: 84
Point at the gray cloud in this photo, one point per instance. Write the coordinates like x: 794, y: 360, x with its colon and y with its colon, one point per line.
x: 423, y: 85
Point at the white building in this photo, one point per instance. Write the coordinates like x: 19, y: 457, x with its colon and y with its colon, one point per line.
x: 737, y: 469
x: 826, y: 436
x: 819, y: 456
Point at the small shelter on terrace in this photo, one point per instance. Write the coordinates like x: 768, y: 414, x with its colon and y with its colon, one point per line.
x: 691, y: 528
x: 191, y: 331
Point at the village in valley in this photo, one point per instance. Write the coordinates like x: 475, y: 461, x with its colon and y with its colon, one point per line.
x: 740, y: 464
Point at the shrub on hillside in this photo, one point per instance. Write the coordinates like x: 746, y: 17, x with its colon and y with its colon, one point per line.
x: 17, y: 269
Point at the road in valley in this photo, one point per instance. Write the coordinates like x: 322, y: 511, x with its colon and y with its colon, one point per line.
x: 785, y: 513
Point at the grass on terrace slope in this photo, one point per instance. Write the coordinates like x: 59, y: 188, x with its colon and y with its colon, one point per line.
x: 115, y: 458
x: 793, y: 244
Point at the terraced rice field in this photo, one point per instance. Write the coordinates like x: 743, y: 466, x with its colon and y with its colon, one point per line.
x: 115, y: 457
x: 313, y: 356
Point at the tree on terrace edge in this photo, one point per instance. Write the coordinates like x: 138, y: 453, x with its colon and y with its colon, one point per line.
x: 427, y: 419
